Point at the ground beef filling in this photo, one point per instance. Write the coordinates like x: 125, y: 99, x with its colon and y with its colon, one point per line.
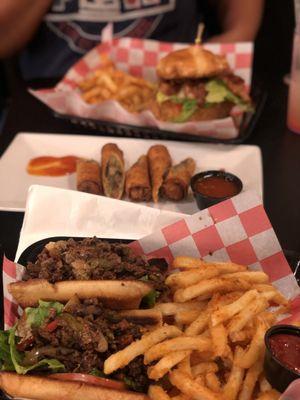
x: 84, y: 337
x: 94, y: 259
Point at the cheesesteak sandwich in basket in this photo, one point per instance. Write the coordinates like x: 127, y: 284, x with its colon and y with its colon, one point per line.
x: 197, y: 85
x: 90, y: 268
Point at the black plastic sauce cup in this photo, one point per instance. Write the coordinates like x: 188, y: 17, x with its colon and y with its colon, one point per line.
x: 204, y: 201
x: 277, y: 374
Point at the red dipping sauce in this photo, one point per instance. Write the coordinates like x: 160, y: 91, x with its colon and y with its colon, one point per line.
x: 286, y: 348
x: 52, y: 166
x: 216, y: 186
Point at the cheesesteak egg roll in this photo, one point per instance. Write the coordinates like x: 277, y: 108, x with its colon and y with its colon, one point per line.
x: 138, y: 186
x: 159, y: 163
x: 113, y: 171
x: 176, y: 183
x: 88, y: 176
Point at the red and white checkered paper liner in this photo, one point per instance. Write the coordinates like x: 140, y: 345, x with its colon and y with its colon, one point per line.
x: 140, y: 57
x: 236, y: 230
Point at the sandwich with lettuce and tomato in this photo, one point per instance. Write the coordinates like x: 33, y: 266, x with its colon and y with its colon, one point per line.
x: 57, y: 352
x: 198, y: 85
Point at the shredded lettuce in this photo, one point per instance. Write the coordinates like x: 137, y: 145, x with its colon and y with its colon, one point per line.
x: 149, y: 300
x: 6, y: 363
x: 36, y: 316
x: 131, y: 384
x: 189, y: 106
x: 11, y: 359
x: 161, y: 97
x: 97, y: 372
x: 217, y: 92
x: 16, y: 358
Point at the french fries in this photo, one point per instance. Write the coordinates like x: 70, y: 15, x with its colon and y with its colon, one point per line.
x: 191, y: 388
x: 157, y: 393
x: 180, y: 343
x: 108, y: 83
x: 123, y: 357
x: 167, y: 363
x: 216, y: 351
x: 210, y: 286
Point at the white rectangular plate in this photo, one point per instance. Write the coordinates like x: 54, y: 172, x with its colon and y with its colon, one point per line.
x: 242, y: 160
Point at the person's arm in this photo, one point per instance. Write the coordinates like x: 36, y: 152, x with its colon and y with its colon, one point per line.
x: 240, y: 19
x: 19, y: 20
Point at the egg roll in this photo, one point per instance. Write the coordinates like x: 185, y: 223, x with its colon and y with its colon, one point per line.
x: 88, y: 176
x: 113, y: 171
x: 138, y: 186
x: 176, y: 183
x: 159, y: 163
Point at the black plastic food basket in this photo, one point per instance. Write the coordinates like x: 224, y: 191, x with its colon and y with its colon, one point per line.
x: 108, y: 128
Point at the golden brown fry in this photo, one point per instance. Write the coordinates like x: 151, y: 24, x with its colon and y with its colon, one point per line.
x: 187, y: 278
x: 157, y: 393
x: 166, y: 363
x: 185, y: 365
x: 212, y: 382
x: 264, y: 384
x: 228, y: 311
x: 250, y: 380
x: 198, y: 325
x: 208, y: 287
x: 204, y: 368
x: 173, y: 308
x: 256, y: 347
x: 191, y: 388
x: 180, y: 397
x: 239, y: 321
x: 123, y: 357
x: 186, y: 317
x: 219, y: 339
x: 235, y: 380
x: 185, y: 262
x: 276, y: 296
x: 108, y: 83
x: 250, y: 276
x: 270, y: 395
x: 180, y: 343
x: 244, y: 335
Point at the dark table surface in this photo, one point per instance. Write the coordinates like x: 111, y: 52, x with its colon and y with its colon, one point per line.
x: 280, y: 151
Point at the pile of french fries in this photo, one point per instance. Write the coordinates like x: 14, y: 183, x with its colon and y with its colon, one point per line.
x: 213, y: 345
x: 109, y: 83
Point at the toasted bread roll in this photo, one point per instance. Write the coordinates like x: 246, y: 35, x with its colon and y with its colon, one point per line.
x: 118, y: 295
x: 44, y: 388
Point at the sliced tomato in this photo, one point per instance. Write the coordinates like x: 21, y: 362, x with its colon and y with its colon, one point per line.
x: 52, y: 326
x: 90, y: 379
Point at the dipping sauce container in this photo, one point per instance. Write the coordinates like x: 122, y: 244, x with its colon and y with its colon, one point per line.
x: 212, y: 187
x: 282, y: 357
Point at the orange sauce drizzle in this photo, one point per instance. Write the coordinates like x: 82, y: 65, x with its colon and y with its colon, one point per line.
x: 52, y: 166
